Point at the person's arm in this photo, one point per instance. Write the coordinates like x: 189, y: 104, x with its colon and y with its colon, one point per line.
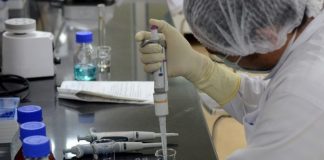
x: 239, y: 93
x: 219, y: 82
x: 247, y: 97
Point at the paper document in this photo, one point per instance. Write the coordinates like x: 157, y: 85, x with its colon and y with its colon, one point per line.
x: 133, y: 92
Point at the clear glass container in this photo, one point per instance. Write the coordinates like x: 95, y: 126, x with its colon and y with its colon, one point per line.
x: 171, y: 154
x: 103, y: 62
x: 85, y: 59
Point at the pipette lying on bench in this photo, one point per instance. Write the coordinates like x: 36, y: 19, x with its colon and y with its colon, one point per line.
x: 126, y: 136
x: 108, y: 147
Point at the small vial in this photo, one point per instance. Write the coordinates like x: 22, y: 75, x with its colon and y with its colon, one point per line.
x: 85, y: 59
x: 103, y: 62
x: 37, y: 148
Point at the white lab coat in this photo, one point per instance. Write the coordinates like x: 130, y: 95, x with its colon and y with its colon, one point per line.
x: 283, y: 115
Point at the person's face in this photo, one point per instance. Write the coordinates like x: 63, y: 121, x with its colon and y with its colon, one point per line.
x: 256, y: 61
x: 262, y: 62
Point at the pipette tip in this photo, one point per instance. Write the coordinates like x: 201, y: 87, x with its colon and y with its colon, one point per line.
x: 172, y: 134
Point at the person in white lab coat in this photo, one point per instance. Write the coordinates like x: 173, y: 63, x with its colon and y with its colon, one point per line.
x: 283, y: 114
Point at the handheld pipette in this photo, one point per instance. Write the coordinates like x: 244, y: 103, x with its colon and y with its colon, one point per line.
x: 127, y: 136
x: 160, y: 94
x: 109, y: 147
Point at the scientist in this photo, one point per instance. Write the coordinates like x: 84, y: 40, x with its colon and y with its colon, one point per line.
x: 283, y: 114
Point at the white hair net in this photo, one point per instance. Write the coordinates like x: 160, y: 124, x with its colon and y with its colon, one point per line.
x: 314, y: 7
x: 243, y: 27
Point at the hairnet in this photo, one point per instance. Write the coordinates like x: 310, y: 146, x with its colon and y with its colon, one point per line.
x: 243, y: 27
x: 314, y: 7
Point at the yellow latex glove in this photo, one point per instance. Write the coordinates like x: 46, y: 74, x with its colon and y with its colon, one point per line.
x: 219, y: 82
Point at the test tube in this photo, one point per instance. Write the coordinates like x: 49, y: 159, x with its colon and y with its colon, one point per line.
x: 101, y: 24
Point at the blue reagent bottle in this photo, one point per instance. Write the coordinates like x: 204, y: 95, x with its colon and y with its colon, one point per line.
x: 37, y: 148
x: 25, y: 114
x: 85, y: 67
x: 32, y: 128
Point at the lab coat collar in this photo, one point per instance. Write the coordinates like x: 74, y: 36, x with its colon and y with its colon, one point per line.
x: 313, y: 27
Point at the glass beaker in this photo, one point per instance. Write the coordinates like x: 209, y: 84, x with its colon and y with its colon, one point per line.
x: 103, y: 62
x: 171, y: 154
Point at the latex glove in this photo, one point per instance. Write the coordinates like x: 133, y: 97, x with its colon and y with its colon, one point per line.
x: 219, y: 82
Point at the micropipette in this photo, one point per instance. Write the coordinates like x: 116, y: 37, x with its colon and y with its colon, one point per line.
x: 129, y: 136
x: 109, y: 147
x: 160, y: 93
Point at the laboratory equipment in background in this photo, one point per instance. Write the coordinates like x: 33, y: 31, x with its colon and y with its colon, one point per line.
x: 17, y: 8
x: 85, y: 68
x: 103, y: 50
x: 177, y: 15
x: 109, y: 147
x: 175, y: 6
x: 37, y: 148
x: 82, y: 14
x: 11, y: 9
x: 4, y: 15
x: 101, y: 25
x: 89, y: 2
x: 126, y: 136
x: 25, y: 51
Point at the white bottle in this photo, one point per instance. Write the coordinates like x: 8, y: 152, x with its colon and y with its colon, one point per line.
x: 25, y: 51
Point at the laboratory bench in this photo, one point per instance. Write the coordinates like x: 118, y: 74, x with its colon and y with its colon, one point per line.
x: 66, y: 119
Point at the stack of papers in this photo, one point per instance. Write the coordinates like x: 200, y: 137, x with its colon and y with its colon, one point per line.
x: 8, y: 119
x: 131, y: 92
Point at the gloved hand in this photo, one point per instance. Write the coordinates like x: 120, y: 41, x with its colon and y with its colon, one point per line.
x: 219, y: 82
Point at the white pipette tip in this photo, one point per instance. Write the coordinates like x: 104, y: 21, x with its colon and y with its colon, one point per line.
x: 169, y: 134
x: 152, y: 145
x: 172, y: 134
